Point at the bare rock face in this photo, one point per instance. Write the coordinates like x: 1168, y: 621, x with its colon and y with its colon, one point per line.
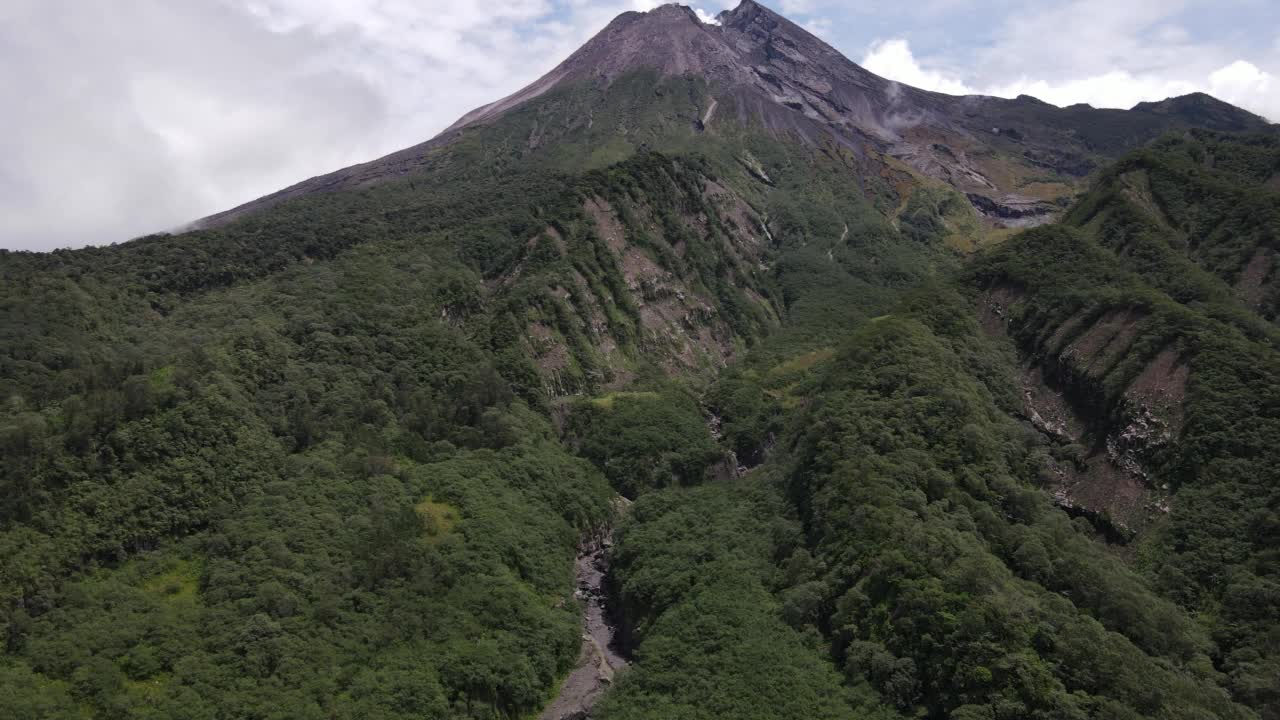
x: 772, y: 69
x: 669, y: 39
x: 1013, y: 210
x: 1108, y: 475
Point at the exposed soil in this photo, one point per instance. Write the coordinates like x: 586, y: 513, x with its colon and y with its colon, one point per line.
x: 606, y: 224
x: 675, y: 320
x: 743, y: 223
x: 1108, y: 483
x: 1048, y: 409
x: 1105, y: 487
x: 711, y: 111
x: 1161, y: 388
x: 1107, y: 480
x: 1105, y: 342
x: 995, y: 308
x: 1014, y: 211
x: 1251, y: 288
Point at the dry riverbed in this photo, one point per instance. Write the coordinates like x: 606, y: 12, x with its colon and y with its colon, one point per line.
x: 598, y: 661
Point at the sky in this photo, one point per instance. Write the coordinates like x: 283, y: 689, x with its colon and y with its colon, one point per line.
x: 129, y: 117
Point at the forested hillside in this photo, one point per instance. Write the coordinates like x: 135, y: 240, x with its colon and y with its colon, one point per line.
x: 884, y: 453
x: 911, y: 524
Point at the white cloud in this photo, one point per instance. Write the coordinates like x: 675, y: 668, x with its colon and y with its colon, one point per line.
x: 894, y: 60
x: 1239, y: 82
x: 131, y: 117
x: 1243, y: 83
x: 139, y: 116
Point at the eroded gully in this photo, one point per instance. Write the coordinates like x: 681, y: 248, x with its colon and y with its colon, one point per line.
x: 599, y: 660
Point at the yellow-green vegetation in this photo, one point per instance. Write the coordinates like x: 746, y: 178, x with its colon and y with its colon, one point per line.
x: 606, y: 401
x: 179, y: 583
x: 149, y: 692
x: 788, y: 396
x: 938, y: 213
x: 440, y: 518
x: 993, y: 237
x: 1012, y: 171
x: 785, y: 383
x: 162, y: 378
x: 802, y: 363
x: 1047, y: 190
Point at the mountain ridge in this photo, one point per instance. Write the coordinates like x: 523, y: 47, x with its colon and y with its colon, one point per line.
x: 763, y: 69
x: 891, y: 457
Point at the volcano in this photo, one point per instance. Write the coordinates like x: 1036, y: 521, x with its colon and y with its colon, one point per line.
x: 757, y: 71
x: 838, y: 399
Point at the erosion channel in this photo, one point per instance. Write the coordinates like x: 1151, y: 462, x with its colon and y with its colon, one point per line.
x: 599, y: 660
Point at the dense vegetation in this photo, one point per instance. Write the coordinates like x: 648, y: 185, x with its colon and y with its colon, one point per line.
x: 309, y: 469
x: 1215, y: 552
x: 359, y: 494
x: 334, y: 460
x: 920, y: 558
x: 644, y: 440
x: 944, y: 579
x: 1194, y: 216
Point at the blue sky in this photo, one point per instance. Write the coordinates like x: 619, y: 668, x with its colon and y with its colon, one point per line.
x: 955, y: 27
x: 136, y: 116
x: 1111, y: 53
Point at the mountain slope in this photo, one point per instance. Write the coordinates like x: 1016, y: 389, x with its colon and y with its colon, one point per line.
x: 757, y: 70
x: 332, y: 455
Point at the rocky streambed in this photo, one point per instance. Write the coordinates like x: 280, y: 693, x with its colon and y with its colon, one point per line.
x: 599, y: 660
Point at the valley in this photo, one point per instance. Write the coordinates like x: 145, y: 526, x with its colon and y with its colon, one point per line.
x: 600, y: 661
x: 709, y: 376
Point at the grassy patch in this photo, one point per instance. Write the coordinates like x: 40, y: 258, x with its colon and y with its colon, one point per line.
x: 788, y: 396
x: 802, y: 363
x: 179, y: 583
x: 606, y: 401
x: 149, y: 691
x: 162, y: 378
x: 441, y: 518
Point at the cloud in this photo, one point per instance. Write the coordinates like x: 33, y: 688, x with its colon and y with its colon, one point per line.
x: 797, y: 7
x: 136, y: 116
x: 706, y: 17
x: 1239, y: 82
x: 894, y: 60
x: 1243, y: 83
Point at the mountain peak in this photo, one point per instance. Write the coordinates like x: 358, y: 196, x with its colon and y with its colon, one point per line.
x: 764, y: 71
x: 670, y: 39
x: 1202, y: 109
x: 674, y: 10
x: 749, y: 11
x: 754, y: 54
